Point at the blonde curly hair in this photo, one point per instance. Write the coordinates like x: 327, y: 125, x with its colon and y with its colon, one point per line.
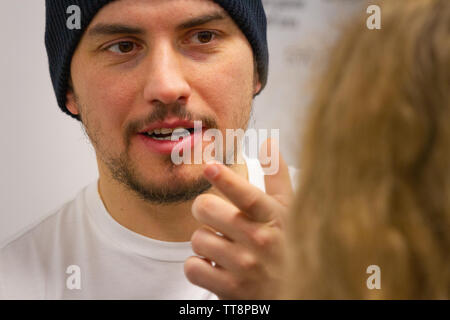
x: 374, y: 187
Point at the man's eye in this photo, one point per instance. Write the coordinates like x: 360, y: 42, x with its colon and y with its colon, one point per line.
x: 122, y: 47
x: 204, y: 37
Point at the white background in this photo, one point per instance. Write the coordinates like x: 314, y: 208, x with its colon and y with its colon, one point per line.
x: 45, y: 157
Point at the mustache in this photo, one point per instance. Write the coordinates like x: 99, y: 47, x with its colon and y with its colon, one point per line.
x: 162, y: 111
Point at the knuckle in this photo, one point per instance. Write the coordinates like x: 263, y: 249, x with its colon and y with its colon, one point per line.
x: 202, y: 204
x: 248, y: 262
x: 197, y: 239
x: 190, y: 269
x: 236, y: 219
x: 262, y: 238
x: 251, y: 202
x: 227, y: 183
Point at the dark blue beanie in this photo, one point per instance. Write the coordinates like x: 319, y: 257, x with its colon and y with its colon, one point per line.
x: 61, y: 41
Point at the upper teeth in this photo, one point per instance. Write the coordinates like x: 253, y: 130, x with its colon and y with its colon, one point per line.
x: 164, y: 130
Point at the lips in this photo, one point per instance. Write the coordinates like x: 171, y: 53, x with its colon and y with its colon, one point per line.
x: 163, y: 137
x: 169, y: 125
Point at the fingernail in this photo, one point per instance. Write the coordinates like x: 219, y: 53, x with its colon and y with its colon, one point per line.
x: 212, y: 171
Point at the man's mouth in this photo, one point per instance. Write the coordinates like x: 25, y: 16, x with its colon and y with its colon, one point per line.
x: 163, y: 137
x: 169, y: 134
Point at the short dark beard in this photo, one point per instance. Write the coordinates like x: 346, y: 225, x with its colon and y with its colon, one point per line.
x: 123, y: 172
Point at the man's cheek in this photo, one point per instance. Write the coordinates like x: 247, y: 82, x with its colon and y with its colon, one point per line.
x: 114, y: 101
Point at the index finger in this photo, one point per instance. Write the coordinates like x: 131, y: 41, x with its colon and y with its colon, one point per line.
x: 249, y: 199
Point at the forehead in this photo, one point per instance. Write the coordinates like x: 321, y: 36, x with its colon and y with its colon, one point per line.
x: 158, y: 14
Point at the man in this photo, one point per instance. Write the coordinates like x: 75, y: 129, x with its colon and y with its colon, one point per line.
x: 132, y: 71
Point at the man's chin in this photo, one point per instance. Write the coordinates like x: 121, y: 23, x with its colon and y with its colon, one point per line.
x: 173, y: 195
x: 160, y: 182
x: 169, y: 192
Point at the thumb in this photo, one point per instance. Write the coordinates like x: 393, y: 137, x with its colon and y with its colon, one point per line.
x: 276, y: 172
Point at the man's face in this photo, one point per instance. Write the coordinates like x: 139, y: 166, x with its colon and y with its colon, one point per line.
x: 142, y: 63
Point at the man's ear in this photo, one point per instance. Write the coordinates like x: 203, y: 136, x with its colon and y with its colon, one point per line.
x: 257, y: 87
x: 257, y: 84
x: 71, y: 104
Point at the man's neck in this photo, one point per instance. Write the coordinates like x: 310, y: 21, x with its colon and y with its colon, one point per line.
x: 173, y: 222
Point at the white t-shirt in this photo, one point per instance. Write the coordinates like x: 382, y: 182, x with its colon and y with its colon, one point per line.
x: 81, y: 252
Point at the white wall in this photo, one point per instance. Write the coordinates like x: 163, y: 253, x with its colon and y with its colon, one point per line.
x: 298, y: 32
x: 45, y: 157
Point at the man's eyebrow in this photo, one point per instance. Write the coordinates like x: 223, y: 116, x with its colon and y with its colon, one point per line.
x: 102, y: 29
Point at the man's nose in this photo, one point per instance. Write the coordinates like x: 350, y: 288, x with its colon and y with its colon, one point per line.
x: 165, y: 77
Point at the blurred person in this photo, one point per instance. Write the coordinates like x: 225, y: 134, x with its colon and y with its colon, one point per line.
x: 374, y: 185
